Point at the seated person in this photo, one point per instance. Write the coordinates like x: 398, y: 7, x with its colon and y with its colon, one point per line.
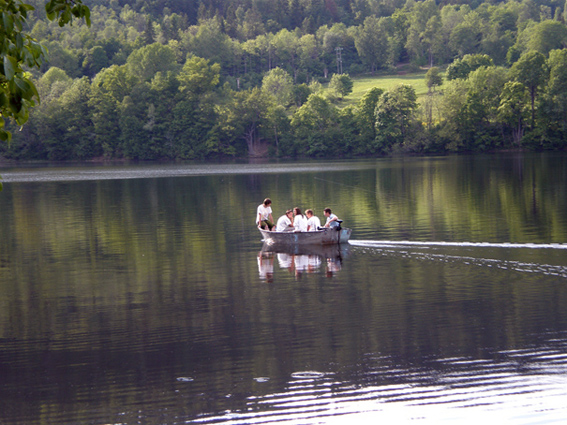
x: 284, y: 222
x: 313, y: 222
x: 264, y: 215
x: 332, y: 219
x: 299, y: 222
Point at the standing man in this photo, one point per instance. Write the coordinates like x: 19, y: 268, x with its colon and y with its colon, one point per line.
x: 313, y: 222
x: 264, y: 215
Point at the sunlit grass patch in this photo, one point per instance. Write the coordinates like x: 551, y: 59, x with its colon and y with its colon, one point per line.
x: 385, y: 82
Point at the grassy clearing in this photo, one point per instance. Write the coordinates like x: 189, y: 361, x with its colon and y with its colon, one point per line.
x: 385, y: 82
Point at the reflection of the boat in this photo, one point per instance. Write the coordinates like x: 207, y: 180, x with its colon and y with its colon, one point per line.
x: 299, y: 259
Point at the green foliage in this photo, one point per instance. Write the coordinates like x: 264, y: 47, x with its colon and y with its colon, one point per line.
x: 514, y: 108
x: 18, y: 51
x: 371, y: 43
x: 461, y: 68
x: 315, y: 127
x: 546, y: 36
x: 279, y: 84
x: 145, y: 62
x: 395, y: 114
x: 531, y: 70
x: 184, y: 81
x: 366, y: 120
x: 341, y: 84
x: 433, y: 78
x: 198, y: 76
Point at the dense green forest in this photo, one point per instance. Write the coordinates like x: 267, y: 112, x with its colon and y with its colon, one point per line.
x: 178, y: 79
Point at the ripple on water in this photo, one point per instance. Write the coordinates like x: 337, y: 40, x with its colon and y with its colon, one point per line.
x: 308, y: 374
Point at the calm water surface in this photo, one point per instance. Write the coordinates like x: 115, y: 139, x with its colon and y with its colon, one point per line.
x: 144, y: 294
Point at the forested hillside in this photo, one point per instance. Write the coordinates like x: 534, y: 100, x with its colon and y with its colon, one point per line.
x: 155, y: 79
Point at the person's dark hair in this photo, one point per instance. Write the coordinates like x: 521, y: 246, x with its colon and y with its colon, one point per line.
x: 297, y: 211
x: 267, y: 202
x: 309, y: 212
x: 328, y: 210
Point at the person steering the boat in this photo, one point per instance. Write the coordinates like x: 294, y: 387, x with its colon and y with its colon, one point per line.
x: 299, y: 221
x: 285, y: 223
x: 313, y: 222
x: 264, y: 215
x: 332, y: 219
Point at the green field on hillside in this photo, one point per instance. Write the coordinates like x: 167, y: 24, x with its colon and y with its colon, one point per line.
x: 385, y: 82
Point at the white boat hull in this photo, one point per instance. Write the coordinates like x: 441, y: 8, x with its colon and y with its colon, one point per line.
x: 327, y: 236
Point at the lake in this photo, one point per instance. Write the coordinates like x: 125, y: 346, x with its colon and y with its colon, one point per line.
x: 143, y: 294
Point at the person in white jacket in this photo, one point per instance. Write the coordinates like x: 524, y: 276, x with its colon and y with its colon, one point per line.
x: 299, y: 221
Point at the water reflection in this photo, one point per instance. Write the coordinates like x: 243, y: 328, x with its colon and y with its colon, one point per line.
x: 520, y: 386
x: 298, y: 260
x: 145, y: 300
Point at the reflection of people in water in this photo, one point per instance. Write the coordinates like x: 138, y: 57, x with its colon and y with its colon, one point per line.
x: 266, y: 265
x: 314, y: 262
x: 285, y: 261
x: 333, y: 266
x: 301, y: 263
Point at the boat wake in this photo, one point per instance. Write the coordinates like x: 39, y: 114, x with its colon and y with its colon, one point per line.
x: 434, y: 251
x: 390, y: 244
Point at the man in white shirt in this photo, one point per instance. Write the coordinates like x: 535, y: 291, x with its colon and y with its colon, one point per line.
x: 264, y: 215
x: 284, y: 222
x: 313, y: 222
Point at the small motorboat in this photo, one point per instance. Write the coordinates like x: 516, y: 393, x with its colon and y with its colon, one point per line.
x: 323, y: 236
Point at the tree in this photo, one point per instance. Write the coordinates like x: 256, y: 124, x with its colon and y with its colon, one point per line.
x: 366, y: 118
x: 395, y: 113
x: 19, y: 50
x: 433, y: 78
x: 342, y: 84
x: 279, y: 84
x: 423, y: 30
x: 371, y: 43
x: 198, y: 76
x: 315, y: 126
x: 514, y: 110
x: 300, y: 93
x: 144, y: 63
x: 546, y: 36
x: 530, y: 70
x: 461, y: 68
x: 247, y: 118
x: 466, y: 37
x: 552, y: 110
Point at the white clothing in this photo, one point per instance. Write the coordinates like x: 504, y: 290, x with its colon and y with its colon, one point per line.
x: 300, y: 223
x: 283, y: 223
x: 313, y: 223
x: 301, y: 263
x: 264, y: 212
x: 285, y: 260
x: 265, y: 266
